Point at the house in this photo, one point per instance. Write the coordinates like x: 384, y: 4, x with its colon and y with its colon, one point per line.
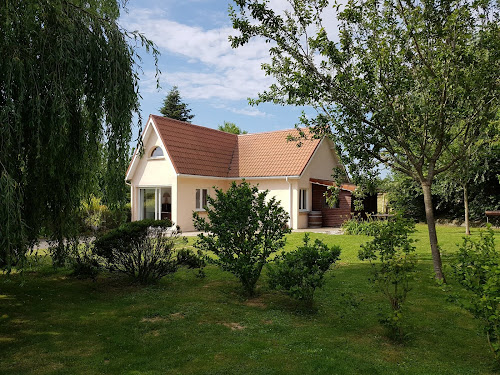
x: 183, y: 162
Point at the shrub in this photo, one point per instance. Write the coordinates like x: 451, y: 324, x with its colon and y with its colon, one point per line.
x: 84, y: 263
x: 143, y: 249
x: 368, y: 227
x: 92, y: 213
x: 477, y: 269
x: 391, y: 256
x: 300, y: 272
x: 244, y: 228
x: 191, y: 260
x: 97, y: 217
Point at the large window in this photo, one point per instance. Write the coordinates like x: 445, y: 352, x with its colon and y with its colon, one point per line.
x: 201, y: 199
x: 148, y: 203
x: 155, y: 203
x: 303, y: 199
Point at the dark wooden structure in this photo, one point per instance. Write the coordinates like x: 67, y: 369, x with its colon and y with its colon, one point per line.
x: 344, y: 210
x: 491, y: 214
x: 332, y: 217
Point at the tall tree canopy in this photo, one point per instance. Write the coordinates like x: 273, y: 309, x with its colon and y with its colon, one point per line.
x: 68, y: 91
x: 173, y: 106
x: 410, y: 84
x: 231, y: 127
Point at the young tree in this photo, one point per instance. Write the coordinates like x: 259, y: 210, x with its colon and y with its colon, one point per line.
x: 68, y: 83
x: 408, y: 84
x: 243, y: 228
x: 174, y: 108
x: 391, y: 255
x: 477, y: 269
x: 231, y: 127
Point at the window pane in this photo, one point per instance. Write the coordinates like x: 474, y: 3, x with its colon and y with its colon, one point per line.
x: 148, y: 203
x: 303, y: 199
x: 198, y: 199
x: 204, y: 203
x: 157, y: 152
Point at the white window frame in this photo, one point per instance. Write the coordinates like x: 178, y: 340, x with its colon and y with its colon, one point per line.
x: 198, y: 201
x: 140, y: 197
x: 303, y: 200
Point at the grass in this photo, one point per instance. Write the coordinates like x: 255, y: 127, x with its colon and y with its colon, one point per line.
x: 51, y: 323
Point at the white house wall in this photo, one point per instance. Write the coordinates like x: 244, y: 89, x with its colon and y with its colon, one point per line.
x: 321, y: 167
x: 278, y: 188
x: 186, y: 197
x: 150, y: 172
x: 153, y: 172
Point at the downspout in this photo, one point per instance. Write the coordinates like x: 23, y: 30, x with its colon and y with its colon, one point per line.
x: 290, y: 198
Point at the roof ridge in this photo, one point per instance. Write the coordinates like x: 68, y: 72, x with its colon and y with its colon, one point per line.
x: 188, y: 123
x: 271, y: 131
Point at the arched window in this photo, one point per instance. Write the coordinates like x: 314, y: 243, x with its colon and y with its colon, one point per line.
x: 157, y: 152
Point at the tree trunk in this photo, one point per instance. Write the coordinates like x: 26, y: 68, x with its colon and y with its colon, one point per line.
x: 466, y: 207
x: 431, y: 226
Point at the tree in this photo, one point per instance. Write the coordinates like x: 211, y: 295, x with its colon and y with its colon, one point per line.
x: 391, y: 255
x: 475, y: 176
x: 68, y: 86
x: 409, y: 84
x: 477, y: 269
x: 231, y: 127
x: 174, y: 108
x: 243, y: 229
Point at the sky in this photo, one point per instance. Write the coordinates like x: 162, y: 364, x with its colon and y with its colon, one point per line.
x: 213, y: 79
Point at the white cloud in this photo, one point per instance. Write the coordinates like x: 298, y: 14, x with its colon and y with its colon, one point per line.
x: 248, y: 111
x: 212, y: 69
x: 225, y: 73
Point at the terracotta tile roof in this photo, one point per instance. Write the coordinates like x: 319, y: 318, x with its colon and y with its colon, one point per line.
x: 346, y: 186
x: 270, y: 154
x: 197, y: 150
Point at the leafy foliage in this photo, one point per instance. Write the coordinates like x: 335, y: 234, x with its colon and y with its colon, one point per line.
x: 477, y: 175
x: 301, y: 272
x: 12, y: 228
x: 143, y: 250
x: 231, y: 127
x: 405, y: 196
x: 477, y: 269
x: 125, y: 236
x: 68, y: 93
x: 391, y: 256
x: 174, y: 108
x: 93, y: 213
x: 368, y: 227
x: 192, y: 260
x: 97, y: 217
x: 408, y: 84
x: 83, y: 261
x: 244, y: 228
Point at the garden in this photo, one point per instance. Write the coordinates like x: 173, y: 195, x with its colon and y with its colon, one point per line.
x: 313, y: 306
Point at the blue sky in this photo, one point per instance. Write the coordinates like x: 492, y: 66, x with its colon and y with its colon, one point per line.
x: 213, y: 79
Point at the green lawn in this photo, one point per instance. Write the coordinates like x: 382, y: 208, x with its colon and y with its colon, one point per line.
x: 53, y: 324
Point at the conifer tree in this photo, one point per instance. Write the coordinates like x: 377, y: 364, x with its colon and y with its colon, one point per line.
x: 173, y: 107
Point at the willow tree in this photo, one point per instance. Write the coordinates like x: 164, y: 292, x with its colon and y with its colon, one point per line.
x: 68, y: 85
x: 410, y: 84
